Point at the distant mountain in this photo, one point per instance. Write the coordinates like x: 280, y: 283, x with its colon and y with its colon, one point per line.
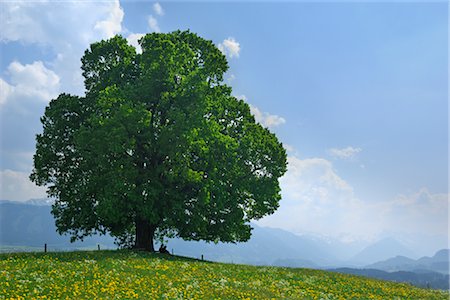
x: 441, y: 255
x: 267, y: 246
x: 432, y: 280
x: 40, y: 202
x: 437, y: 263
x: 31, y: 224
x: 381, y: 250
x: 392, y: 264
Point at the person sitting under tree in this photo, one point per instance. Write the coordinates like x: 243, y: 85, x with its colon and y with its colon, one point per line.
x: 163, y: 249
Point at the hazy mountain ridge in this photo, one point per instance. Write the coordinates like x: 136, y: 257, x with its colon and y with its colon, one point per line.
x: 267, y: 246
x: 437, y: 263
x: 381, y: 250
x: 31, y: 224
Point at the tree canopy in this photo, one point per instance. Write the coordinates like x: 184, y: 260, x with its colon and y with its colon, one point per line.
x: 158, y: 145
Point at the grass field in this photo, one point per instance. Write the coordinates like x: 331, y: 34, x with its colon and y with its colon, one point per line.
x: 137, y: 275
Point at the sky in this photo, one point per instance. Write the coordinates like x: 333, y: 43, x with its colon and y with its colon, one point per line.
x: 357, y: 91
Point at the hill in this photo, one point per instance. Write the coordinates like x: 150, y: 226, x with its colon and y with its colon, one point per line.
x: 138, y: 275
x: 381, y: 250
x: 437, y: 263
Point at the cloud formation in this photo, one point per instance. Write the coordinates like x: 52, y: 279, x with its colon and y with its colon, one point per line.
x: 157, y: 8
x: 133, y: 40
x: 16, y: 186
x: 55, y: 24
x: 315, y: 199
x: 58, y: 27
x: 23, y: 99
x: 266, y: 119
x: 231, y: 77
x: 57, y: 30
x: 344, y: 153
x: 30, y: 82
x: 5, y: 90
x: 422, y: 212
x: 153, y: 24
x: 113, y: 23
x: 230, y: 47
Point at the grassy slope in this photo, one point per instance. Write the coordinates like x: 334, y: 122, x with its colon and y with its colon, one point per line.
x: 128, y: 275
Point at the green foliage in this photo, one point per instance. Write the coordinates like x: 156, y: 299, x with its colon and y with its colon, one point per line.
x: 139, y: 275
x: 157, y: 145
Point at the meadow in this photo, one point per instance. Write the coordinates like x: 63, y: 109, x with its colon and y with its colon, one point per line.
x: 139, y: 275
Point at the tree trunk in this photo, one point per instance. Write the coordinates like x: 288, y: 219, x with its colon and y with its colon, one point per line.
x: 144, y: 235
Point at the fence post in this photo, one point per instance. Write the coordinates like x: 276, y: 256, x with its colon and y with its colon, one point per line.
x: 45, y: 248
x: 202, y: 256
x: 98, y: 247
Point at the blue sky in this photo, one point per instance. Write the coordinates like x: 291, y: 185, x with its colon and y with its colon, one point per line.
x: 357, y: 91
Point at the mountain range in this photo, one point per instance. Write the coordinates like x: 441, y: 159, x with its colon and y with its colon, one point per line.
x: 426, y: 272
x: 437, y: 263
x: 31, y: 224
x: 381, y: 250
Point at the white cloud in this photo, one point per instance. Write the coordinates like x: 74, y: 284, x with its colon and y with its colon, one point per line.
x: 133, y: 40
x: 288, y: 147
x: 30, y: 82
x: 22, y: 161
x: 113, y: 24
x: 153, y: 24
x: 66, y: 28
x: 241, y: 97
x: 344, y: 153
x: 421, y: 212
x: 5, y: 91
x: 16, y: 186
x: 312, y: 173
x: 55, y: 24
x: 230, y: 47
x: 18, y: 23
x: 266, y: 119
x: 315, y: 199
x: 24, y: 97
x: 63, y: 31
x: 157, y: 8
x: 231, y: 78
x: 34, y: 80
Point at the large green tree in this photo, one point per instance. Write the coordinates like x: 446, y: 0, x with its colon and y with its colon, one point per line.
x: 157, y: 146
